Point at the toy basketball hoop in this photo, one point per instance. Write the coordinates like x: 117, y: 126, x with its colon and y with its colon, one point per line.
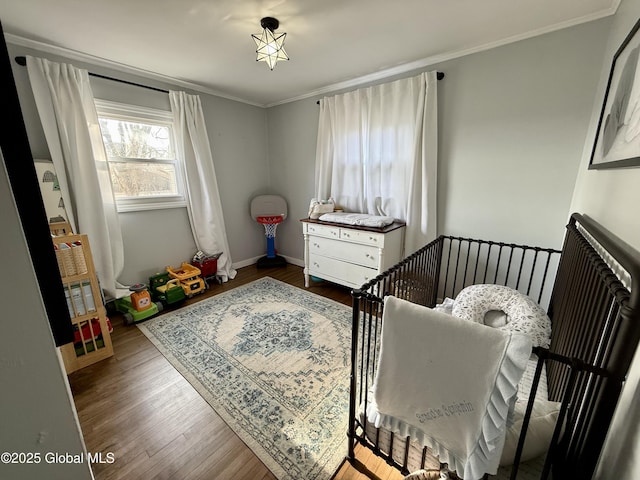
x: 270, y: 223
x: 269, y: 211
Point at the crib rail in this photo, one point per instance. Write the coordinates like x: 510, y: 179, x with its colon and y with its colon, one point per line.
x: 595, y: 322
x: 438, y: 270
x: 445, y: 266
x: 405, y: 456
x: 570, y: 395
x: 468, y: 261
x: 596, y: 319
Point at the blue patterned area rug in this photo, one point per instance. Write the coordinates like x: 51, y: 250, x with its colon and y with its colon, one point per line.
x: 273, y: 361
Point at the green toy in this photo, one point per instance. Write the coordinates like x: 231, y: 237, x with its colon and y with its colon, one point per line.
x: 137, y: 306
x: 165, y: 289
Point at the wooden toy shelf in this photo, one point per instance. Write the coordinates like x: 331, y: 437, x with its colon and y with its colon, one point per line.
x: 92, y: 338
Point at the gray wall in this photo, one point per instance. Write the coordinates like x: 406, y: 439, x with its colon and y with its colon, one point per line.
x: 612, y: 198
x: 37, y: 413
x: 512, y: 122
x: 293, y: 131
x: 238, y: 137
x: 476, y: 114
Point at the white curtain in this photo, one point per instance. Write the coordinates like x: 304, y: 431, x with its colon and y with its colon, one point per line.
x: 203, y: 203
x: 377, y: 153
x: 65, y: 104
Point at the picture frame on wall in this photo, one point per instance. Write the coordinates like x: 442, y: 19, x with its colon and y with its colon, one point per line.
x: 617, y: 140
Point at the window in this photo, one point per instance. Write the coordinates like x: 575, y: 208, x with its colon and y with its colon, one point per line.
x: 145, y: 171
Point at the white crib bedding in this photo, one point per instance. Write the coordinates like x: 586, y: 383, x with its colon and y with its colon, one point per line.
x: 533, y: 460
x: 539, y: 433
x: 359, y: 219
x: 530, y: 470
x: 457, y: 405
x: 541, y: 424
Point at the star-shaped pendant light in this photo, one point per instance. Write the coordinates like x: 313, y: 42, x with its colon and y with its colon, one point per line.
x: 269, y: 46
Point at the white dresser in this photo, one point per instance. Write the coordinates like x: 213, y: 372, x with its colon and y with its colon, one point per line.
x: 349, y: 256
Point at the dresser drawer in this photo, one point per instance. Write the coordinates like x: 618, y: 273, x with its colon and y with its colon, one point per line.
x: 337, y: 270
x: 322, y: 230
x: 362, y: 236
x: 348, y: 255
x: 349, y: 252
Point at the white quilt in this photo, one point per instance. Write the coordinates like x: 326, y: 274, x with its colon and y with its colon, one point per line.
x: 360, y: 219
x: 448, y: 383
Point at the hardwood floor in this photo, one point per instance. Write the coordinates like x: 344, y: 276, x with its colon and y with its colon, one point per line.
x: 138, y: 408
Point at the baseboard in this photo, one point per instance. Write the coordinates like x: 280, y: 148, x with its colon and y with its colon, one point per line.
x: 294, y: 261
x: 254, y: 260
x: 246, y: 263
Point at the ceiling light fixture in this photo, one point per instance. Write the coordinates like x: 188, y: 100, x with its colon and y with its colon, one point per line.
x: 269, y: 46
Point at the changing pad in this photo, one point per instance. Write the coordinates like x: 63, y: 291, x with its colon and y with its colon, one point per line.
x: 359, y: 219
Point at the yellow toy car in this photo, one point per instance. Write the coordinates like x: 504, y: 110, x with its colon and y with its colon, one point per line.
x: 165, y: 289
x: 189, y: 277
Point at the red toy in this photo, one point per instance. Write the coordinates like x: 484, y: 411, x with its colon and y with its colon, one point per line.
x: 208, y: 265
x: 78, y: 337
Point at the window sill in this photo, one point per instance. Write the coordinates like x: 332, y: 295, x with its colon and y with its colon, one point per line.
x: 139, y: 207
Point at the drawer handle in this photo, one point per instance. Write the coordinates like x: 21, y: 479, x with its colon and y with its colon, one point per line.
x: 347, y: 235
x: 317, y: 245
x: 334, y: 233
x: 373, y: 239
x: 315, y: 264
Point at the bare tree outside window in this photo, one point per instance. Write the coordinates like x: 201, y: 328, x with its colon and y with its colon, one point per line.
x: 142, y: 160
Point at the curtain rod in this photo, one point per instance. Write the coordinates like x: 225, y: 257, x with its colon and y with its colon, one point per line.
x: 23, y: 61
x: 439, y: 76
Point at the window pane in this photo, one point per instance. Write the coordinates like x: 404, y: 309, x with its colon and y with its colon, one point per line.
x: 136, y: 140
x: 140, y: 179
x: 145, y: 170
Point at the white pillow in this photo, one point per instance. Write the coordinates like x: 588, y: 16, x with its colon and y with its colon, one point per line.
x: 523, y: 314
x: 541, y: 426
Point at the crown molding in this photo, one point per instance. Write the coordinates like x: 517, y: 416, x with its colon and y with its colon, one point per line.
x: 120, y: 67
x: 436, y: 59
x: 345, y: 85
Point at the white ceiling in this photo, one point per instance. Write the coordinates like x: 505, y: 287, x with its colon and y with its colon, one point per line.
x: 332, y: 43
